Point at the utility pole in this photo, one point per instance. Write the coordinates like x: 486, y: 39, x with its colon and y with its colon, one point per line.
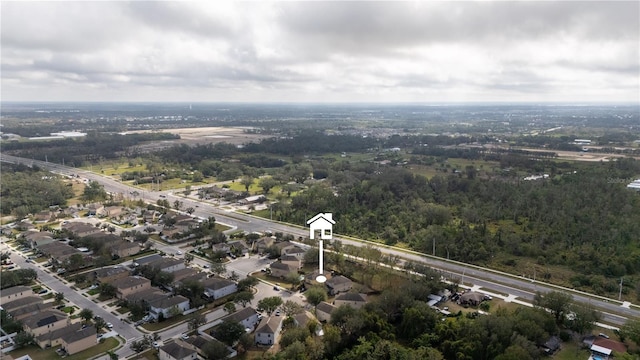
x: 620, y: 293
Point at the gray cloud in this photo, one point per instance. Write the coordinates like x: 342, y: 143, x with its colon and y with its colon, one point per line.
x: 320, y: 50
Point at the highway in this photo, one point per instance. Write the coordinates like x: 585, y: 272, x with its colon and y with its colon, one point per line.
x: 615, y: 312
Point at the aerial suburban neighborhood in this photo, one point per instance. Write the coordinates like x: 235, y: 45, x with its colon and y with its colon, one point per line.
x: 320, y: 180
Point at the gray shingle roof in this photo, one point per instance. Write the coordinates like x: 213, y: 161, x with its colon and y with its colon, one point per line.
x: 177, y: 351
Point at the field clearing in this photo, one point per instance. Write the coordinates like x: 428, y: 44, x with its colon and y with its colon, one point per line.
x: 207, y: 135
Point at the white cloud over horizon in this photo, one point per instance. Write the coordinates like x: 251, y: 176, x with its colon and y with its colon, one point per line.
x: 320, y: 51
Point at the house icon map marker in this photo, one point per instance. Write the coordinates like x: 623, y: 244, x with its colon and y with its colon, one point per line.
x: 322, y: 223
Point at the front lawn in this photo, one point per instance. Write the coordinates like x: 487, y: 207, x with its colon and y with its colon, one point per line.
x: 36, y: 353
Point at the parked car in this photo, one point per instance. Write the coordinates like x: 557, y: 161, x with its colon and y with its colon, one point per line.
x: 110, y: 325
x: 43, y: 291
x: 184, y: 337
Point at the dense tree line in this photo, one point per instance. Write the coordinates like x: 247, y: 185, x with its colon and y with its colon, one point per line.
x: 27, y: 190
x: 586, y: 221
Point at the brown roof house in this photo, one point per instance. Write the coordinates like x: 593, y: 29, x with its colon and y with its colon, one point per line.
x: 45, y: 321
x: 177, y: 350
x: 108, y: 275
x: 54, y: 338
x: 76, y: 341
x: 26, y: 307
x: 338, y: 284
x: 354, y: 300
x: 292, y: 261
x: 125, y: 248
x: 268, y: 330
x: 130, y: 285
x: 281, y: 270
x: 81, y: 229
x: 14, y: 293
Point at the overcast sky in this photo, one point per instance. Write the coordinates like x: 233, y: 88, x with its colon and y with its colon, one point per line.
x: 321, y: 51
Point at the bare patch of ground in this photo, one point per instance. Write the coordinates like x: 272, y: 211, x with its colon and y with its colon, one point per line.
x: 205, y: 135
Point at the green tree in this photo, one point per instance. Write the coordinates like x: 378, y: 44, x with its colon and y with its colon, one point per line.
x: 86, y: 315
x: 23, y: 339
x: 99, y: 323
x: 583, y: 318
x: 290, y: 308
x: 230, y: 307
x: 218, y: 267
x: 243, y: 298
x: 195, y: 320
x: 215, y: 350
x: 188, y: 258
x: 556, y: 302
x: 246, y: 181
x: 94, y: 191
x: 269, y: 304
x: 267, y: 183
x: 631, y: 330
x: 107, y: 290
x: 59, y: 298
x: 316, y: 295
x: 229, y: 332
x: 247, y: 283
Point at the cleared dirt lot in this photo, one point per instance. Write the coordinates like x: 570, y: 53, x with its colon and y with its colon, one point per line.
x: 205, y: 135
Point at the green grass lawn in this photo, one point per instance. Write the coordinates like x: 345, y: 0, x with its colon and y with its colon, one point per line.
x: 570, y: 351
x: 36, y: 353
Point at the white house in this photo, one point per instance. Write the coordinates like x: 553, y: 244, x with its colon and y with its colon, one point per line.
x: 168, y: 306
x: 322, y: 222
x: 217, y: 288
x: 247, y: 317
x: 268, y: 330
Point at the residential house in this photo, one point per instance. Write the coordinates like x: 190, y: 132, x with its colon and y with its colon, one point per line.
x: 471, y: 298
x: 199, y: 277
x: 177, y: 351
x: 76, y: 341
x: 338, y: 284
x: 268, y: 330
x: 93, y: 209
x: 263, y: 243
x: 80, y: 229
x: 167, y: 264
x: 59, y: 251
x: 45, y: 321
x: 130, y: 285
x: 294, y: 250
x: 292, y: 261
x: 600, y: 353
x: 281, y: 270
x: 112, y: 211
x: 54, y: 338
x: 551, y: 345
x: 110, y: 274
x: 144, y: 297
x: 38, y: 238
x: 167, y: 307
x: 247, y: 317
x: 30, y: 310
x: 14, y: 293
x: 222, y: 247
x: 24, y: 225
x: 198, y: 342
x: 301, y: 319
x: 323, y: 311
x: 17, y: 303
x: 147, y: 259
x: 614, y: 345
x: 178, y: 275
x: 217, y: 288
x: 252, y: 200
x: 125, y: 248
x: 238, y: 246
x: 322, y: 223
x: 44, y: 217
x: 150, y: 216
x: 354, y: 300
